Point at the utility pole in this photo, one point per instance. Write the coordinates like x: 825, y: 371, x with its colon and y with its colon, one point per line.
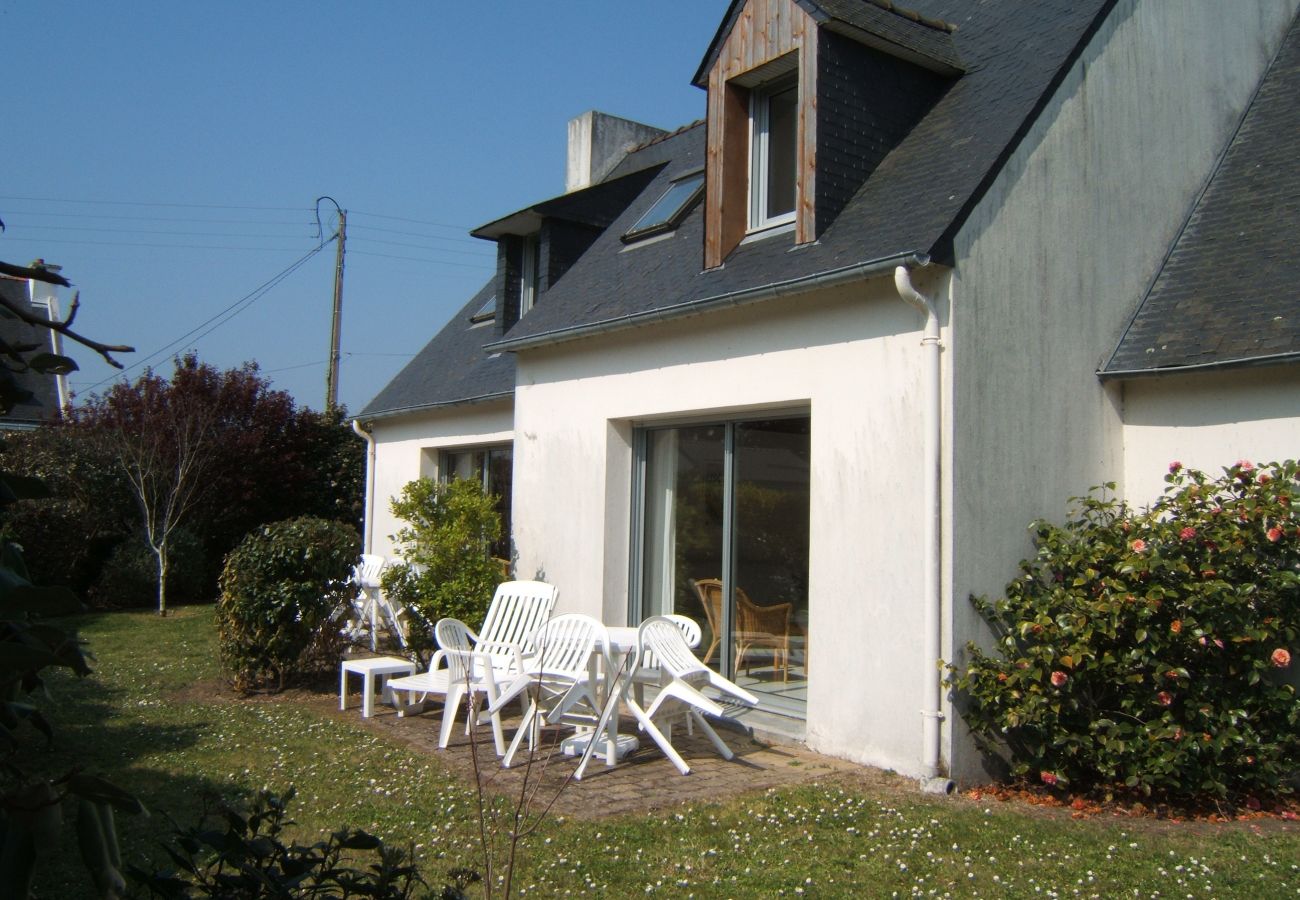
x: 332, y: 373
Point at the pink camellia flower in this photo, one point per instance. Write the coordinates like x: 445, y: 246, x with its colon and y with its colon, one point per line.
x: 1202, y: 640
x: 1281, y: 658
x: 1176, y: 626
x: 1275, y: 534
x: 1138, y: 545
x: 1218, y: 642
x: 1264, y: 478
x: 1187, y: 533
x: 1059, y: 678
x: 1164, y: 698
x: 1049, y: 778
x: 1174, y: 466
x: 1245, y: 465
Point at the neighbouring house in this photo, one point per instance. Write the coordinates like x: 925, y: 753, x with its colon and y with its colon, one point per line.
x: 806, y: 369
x: 43, y: 397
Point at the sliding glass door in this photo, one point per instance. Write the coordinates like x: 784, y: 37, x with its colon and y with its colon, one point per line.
x: 723, y: 539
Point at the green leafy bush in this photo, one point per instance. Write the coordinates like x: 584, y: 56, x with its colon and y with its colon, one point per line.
x: 242, y: 853
x: 279, y: 587
x: 447, y: 567
x: 1152, y: 651
x: 129, y: 576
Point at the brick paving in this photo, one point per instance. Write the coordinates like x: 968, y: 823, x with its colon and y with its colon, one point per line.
x: 643, y: 782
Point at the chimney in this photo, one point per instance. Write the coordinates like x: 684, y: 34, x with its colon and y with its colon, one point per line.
x: 597, y: 143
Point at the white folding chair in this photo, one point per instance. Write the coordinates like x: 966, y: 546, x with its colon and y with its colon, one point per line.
x: 456, y: 672
x: 680, y: 698
x: 560, y: 683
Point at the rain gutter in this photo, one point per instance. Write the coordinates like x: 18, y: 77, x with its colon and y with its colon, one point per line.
x: 429, y: 407
x: 788, y: 288
x: 1244, y: 362
x: 364, y: 433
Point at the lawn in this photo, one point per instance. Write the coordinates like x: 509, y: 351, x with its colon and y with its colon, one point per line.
x: 151, y: 719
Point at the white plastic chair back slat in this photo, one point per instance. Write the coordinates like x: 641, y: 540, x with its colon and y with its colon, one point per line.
x: 559, y: 679
x: 453, y: 637
x: 369, y: 571
x: 518, y: 609
x: 690, y: 630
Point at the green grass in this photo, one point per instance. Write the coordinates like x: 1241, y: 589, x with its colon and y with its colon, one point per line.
x: 140, y: 721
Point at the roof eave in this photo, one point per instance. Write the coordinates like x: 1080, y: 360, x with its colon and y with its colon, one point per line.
x: 366, y: 417
x: 1243, y: 362
x: 743, y: 297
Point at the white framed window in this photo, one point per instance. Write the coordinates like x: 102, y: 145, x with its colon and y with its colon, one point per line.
x: 528, y: 275
x: 773, y: 153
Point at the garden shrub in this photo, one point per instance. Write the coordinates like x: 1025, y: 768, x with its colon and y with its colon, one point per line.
x: 278, y: 588
x: 41, y: 528
x: 234, y: 852
x: 1151, y: 651
x: 447, y: 568
x: 129, y: 577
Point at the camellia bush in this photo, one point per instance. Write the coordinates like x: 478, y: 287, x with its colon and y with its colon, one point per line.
x: 1150, y: 652
x: 447, y: 569
x: 279, y: 590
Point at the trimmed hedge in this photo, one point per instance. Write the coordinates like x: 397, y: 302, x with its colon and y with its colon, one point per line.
x: 279, y: 589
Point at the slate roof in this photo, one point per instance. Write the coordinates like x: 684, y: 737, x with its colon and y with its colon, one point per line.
x: 452, y: 368
x: 44, y: 403
x: 1227, y: 295
x: 901, y: 31
x: 911, y: 205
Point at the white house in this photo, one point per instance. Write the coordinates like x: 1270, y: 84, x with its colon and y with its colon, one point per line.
x: 806, y: 369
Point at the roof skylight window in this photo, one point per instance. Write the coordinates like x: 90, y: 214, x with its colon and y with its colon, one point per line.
x: 487, y: 312
x: 669, y: 210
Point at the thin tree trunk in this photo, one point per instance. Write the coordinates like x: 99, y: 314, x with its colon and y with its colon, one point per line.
x: 161, y: 553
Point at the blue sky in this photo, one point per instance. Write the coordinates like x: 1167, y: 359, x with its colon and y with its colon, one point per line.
x: 168, y: 156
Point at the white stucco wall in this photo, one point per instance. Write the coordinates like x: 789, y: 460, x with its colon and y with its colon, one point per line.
x: 1207, y: 422
x: 851, y: 357
x: 1054, y: 260
x: 406, y: 448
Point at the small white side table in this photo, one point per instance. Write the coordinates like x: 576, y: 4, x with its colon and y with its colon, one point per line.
x: 369, y: 669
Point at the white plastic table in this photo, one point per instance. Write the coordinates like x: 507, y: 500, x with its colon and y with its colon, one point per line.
x: 622, y: 640
x: 370, y: 668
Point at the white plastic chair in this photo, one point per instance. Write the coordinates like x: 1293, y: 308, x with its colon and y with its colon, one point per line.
x: 680, y: 696
x: 370, y: 607
x: 647, y: 669
x: 454, y: 672
x: 519, y: 609
x: 560, y: 682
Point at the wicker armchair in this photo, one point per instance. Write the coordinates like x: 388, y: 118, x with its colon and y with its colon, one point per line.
x: 756, y: 627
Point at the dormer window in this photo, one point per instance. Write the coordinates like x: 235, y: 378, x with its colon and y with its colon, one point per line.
x: 529, y: 271
x: 774, y: 146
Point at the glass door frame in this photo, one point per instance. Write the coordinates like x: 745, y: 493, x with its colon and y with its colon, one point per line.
x: 636, y: 555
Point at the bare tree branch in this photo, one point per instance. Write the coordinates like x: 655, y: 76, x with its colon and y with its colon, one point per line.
x: 26, y: 315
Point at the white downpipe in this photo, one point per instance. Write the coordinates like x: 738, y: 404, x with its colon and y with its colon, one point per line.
x: 931, y: 386
x: 367, y: 538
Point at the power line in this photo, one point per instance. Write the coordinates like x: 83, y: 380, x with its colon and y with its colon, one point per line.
x: 482, y: 254
x: 412, y: 221
x: 436, y: 262
x: 11, y: 213
x: 87, y: 243
x: 228, y: 313
x: 147, y: 203
x: 161, y: 232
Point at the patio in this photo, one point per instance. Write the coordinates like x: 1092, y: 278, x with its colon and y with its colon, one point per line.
x: 642, y: 782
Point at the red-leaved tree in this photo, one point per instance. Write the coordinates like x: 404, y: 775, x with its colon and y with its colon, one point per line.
x: 197, y: 445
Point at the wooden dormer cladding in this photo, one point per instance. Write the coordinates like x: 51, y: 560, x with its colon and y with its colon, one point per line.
x: 763, y: 32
